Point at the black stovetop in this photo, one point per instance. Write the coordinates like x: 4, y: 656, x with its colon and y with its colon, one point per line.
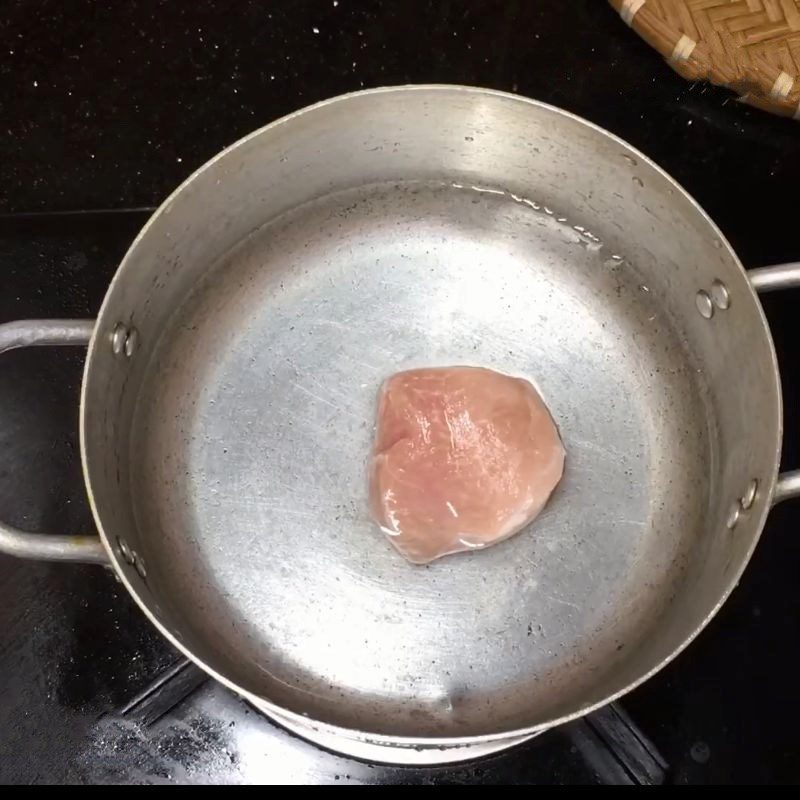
x: 103, y: 110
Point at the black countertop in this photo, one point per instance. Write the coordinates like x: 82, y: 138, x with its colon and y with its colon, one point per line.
x: 108, y: 107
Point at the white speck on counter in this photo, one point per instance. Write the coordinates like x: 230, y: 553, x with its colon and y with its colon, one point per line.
x: 35, y: 84
x: 179, y: 159
x: 315, y: 30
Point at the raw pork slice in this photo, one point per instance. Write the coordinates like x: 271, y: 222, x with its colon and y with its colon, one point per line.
x: 464, y: 457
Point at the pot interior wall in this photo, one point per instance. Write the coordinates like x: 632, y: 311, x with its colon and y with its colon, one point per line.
x: 235, y: 291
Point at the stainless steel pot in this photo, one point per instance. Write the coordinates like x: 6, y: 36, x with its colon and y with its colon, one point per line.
x: 229, y: 392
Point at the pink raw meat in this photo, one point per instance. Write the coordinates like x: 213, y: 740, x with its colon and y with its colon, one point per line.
x: 464, y: 457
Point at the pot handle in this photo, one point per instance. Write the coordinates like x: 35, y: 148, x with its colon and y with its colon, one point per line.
x: 771, y: 279
x: 43, y: 547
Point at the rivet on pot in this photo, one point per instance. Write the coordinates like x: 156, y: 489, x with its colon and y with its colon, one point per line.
x: 749, y: 497
x: 124, y: 340
x: 125, y: 551
x: 131, y: 342
x: 704, y: 304
x: 733, y: 516
x: 118, y: 338
x: 139, y: 565
x: 720, y: 295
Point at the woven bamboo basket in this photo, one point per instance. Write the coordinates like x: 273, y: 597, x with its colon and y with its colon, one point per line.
x: 749, y: 46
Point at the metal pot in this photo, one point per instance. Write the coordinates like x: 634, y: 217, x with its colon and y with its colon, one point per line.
x: 228, y: 399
